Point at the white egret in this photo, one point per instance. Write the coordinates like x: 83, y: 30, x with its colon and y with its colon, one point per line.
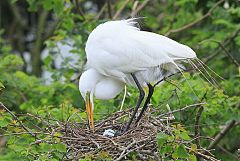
x: 119, y: 53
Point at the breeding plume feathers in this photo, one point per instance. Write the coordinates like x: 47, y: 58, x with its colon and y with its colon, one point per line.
x: 121, y: 48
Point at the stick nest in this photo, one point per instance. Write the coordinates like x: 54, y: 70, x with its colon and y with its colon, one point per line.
x: 140, y: 138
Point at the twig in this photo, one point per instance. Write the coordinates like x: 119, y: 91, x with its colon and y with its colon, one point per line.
x: 220, y: 135
x: 226, y: 52
x: 109, y: 5
x: 149, y: 152
x: 197, y: 129
x: 101, y: 11
x: 203, y: 155
x: 21, y: 133
x: 167, y: 77
x: 182, y: 109
x: 135, y: 12
x: 79, y: 9
x: 120, y: 9
x: 224, y: 43
x: 196, y: 21
x: 227, y: 152
x: 124, y: 151
x: 16, y: 118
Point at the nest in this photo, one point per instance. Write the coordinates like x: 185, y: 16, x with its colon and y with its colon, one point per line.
x: 140, y: 138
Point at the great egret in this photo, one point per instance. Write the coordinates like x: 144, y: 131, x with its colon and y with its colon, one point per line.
x: 118, y: 53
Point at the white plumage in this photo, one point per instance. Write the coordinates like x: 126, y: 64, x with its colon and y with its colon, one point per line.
x: 117, y: 49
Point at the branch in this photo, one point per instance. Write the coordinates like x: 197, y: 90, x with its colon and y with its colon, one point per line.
x: 196, y: 21
x: 16, y: 118
x: 234, y: 61
x: 224, y: 43
x: 202, y: 155
x: 227, y: 152
x: 79, y: 10
x: 101, y: 11
x: 197, y: 129
x: 120, y: 9
x: 220, y: 135
x: 16, y: 12
x: 135, y: 12
x: 109, y: 5
x: 182, y: 109
x: 164, y: 78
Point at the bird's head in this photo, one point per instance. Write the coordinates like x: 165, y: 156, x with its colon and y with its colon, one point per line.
x: 87, y: 84
x: 93, y: 84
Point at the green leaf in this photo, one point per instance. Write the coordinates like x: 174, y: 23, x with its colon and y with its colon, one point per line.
x: 1, y: 85
x: 3, y: 123
x: 58, y: 6
x: 161, y: 139
x: 32, y: 5
x: 60, y: 147
x: 192, y: 158
x: 180, y: 152
x: 184, y: 136
x: 45, y: 147
x: 48, y: 4
x: 13, y: 1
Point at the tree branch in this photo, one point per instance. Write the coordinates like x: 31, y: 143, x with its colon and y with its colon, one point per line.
x: 234, y: 61
x: 222, y: 133
x: 79, y: 10
x: 182, y: 109
x: 120, y: 9
x: 135, y: 12
x: 196, y: 21
x: 224, y: 43
x: 16, y: 118
x: 109, y: 5
x: 36, y: 50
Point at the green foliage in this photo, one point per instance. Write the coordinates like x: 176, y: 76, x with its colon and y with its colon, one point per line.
x: 174, y: 145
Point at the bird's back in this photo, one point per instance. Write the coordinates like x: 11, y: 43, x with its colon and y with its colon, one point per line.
x: 118, y: 48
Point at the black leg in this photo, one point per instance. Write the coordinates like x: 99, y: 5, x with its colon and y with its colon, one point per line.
x: 145, y: 106
x: 140, y: 99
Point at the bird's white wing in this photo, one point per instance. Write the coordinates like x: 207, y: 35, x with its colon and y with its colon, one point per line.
x: 118, y: 46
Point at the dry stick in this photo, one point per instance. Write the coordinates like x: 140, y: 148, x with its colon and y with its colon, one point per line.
x: 120, y: 9
x: 135, y: 12
x: 197, y: 129
x: 227, y: 52
x: 125, y: 150
x: 182, y: 109
x: 149, y: 152
x: 101, y: 11
x: 196, y: 126
x: 203, y: 155
x: 164, y: 78
x: 80, y: 10
x: 196, y: 21
x: 16, y: 118
x: 225, y: 43
x: 227, y: 152
x: 220, y: 135
x: 109, y: 5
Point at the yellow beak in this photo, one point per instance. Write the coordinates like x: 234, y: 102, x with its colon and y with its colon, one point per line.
x: 89, y: 110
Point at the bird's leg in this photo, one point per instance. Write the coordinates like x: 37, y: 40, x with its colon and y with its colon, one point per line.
x: 145, y: 106
x: 140, y: 99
